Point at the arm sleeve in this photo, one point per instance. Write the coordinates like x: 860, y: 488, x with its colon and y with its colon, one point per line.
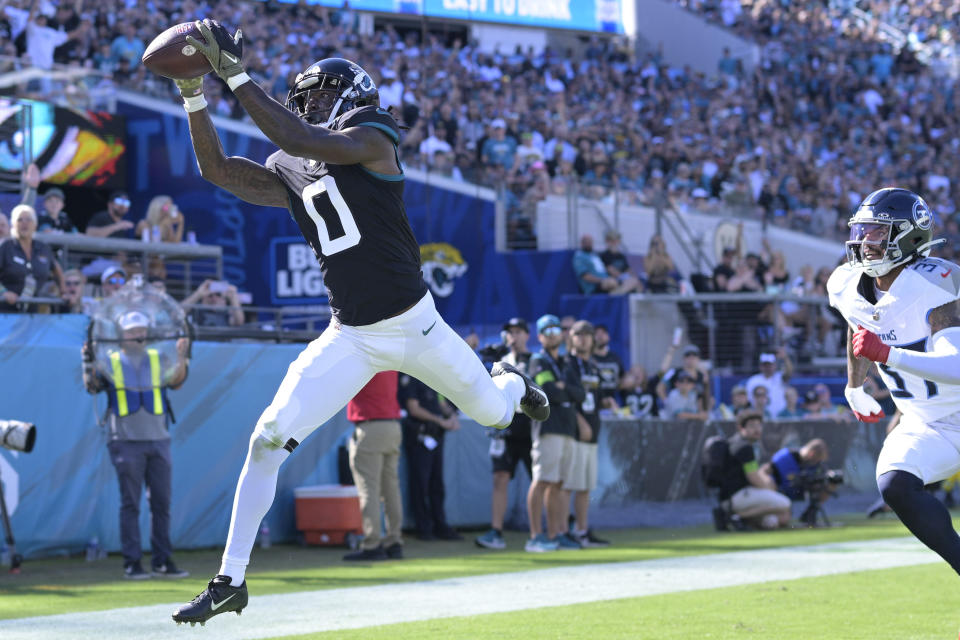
x: 941, y: 364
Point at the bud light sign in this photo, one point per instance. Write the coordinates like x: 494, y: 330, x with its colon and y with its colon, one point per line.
x: 296, y: 273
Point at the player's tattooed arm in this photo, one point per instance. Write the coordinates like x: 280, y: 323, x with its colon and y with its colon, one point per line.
x: 357, y: 145
x: 944, y: 316
x: 243, y: 178
x: 857, y: 367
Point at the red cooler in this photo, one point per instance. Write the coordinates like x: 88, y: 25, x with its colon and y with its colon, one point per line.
x: 328, y: 513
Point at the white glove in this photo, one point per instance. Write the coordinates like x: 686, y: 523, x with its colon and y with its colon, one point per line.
x: 863, y: 405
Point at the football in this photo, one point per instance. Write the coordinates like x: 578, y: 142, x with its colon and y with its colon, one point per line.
x: 171, y: 56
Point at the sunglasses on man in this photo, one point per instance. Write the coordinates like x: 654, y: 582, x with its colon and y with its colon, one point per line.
x: 116, y: 280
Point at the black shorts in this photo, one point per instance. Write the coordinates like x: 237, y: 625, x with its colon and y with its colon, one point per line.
x: 514, y: 451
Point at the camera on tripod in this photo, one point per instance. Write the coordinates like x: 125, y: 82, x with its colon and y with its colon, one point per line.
x: 17, y: 436
x: 818, y: 483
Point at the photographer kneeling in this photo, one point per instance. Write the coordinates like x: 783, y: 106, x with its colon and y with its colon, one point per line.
x: 801, y: 473
x: 751, y: 489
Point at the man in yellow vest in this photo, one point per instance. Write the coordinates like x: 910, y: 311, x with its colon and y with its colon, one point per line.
x: 139, y: 439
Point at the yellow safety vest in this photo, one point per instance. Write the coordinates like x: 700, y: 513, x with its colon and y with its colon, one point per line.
x: 126, y: 401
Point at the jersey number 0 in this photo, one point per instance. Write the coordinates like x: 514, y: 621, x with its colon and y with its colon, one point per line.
x: 323, y: 221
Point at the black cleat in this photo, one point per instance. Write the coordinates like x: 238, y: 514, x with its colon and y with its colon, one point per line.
x: 534, y: 402
x: 219, y: 597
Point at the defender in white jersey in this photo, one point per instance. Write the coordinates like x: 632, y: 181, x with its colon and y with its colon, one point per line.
x: 903, y: 313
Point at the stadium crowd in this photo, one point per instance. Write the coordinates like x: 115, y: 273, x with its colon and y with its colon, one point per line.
x: 829, y: 112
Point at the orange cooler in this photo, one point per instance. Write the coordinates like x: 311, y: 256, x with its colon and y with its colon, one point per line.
x: 327, y: 513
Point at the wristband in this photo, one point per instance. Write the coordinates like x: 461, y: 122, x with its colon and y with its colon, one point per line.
x: 235, y: 81
x: 194, y: 103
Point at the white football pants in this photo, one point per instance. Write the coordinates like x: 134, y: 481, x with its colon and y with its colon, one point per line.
x: 330, y: 371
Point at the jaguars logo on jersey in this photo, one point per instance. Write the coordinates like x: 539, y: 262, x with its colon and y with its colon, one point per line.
x: 442, y: 264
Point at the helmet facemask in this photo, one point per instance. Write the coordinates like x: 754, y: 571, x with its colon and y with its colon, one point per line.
x: 320, y: 101
x: 872, y: 250
x: 869, y: 247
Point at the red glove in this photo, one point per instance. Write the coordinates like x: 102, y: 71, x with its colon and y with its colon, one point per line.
x: 866, y: 344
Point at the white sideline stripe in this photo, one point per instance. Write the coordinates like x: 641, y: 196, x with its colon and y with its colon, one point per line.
x: 350, y: 608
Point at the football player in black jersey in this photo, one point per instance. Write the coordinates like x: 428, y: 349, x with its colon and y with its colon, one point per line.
x: 339, y: 174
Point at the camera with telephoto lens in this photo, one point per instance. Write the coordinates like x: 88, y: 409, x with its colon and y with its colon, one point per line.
x: 818, y: 483
x: 817, y: 479
x: 17, y: 435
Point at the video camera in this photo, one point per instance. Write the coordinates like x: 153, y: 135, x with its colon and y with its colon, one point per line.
x: 17, y: 435
x: 817, y: 479
x: 818, y: 483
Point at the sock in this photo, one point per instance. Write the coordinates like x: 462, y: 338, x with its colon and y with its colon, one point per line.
x: 255, y: 493
x: 513, y: 388
x: 922, y: 513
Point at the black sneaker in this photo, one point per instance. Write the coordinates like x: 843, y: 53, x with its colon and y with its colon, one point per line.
x: 367, y: 554
x: 534, y: 402
x: 134, y: 571
x: 589, y: 540
x: 395, y: 551
x: 219, y: 597
x: 169, y: 570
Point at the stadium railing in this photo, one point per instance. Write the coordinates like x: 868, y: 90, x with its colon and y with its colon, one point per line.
x: 733, y: 329
x: 185, y: 265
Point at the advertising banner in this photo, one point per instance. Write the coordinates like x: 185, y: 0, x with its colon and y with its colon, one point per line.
x: 582, y: 15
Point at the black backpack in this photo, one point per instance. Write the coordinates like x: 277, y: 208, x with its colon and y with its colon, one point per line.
x: 714, y: 461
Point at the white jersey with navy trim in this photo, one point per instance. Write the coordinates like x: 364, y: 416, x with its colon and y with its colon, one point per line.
x: 900, y: 319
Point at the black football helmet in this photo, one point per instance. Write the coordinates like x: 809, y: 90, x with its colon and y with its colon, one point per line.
x: 329, y: 88
x: 890, y: 227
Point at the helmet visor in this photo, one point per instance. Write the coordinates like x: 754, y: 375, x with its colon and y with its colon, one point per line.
x: 868, y: 241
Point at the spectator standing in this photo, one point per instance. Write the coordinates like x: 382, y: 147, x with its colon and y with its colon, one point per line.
x: 215, y: 303
x: 583, y: 476
x: 54, y: 218
x: 127, y: 46
x: 163, y: 222
x: 510, y: 446
x: 611, y: 368
x: 42, y: 39
x: 139, y: 437
x: 552, y: 451
x: 429, y: 417
x: 26, y: 264
x: 773, y: 379
x: 374, y: 454
x: 752, y: 491
x: 110, y: 223
x: 499, y: 150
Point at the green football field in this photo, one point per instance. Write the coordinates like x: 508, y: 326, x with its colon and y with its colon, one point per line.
x: 867, y: 579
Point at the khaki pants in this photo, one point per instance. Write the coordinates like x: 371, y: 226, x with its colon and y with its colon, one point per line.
x: 374, y: 453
